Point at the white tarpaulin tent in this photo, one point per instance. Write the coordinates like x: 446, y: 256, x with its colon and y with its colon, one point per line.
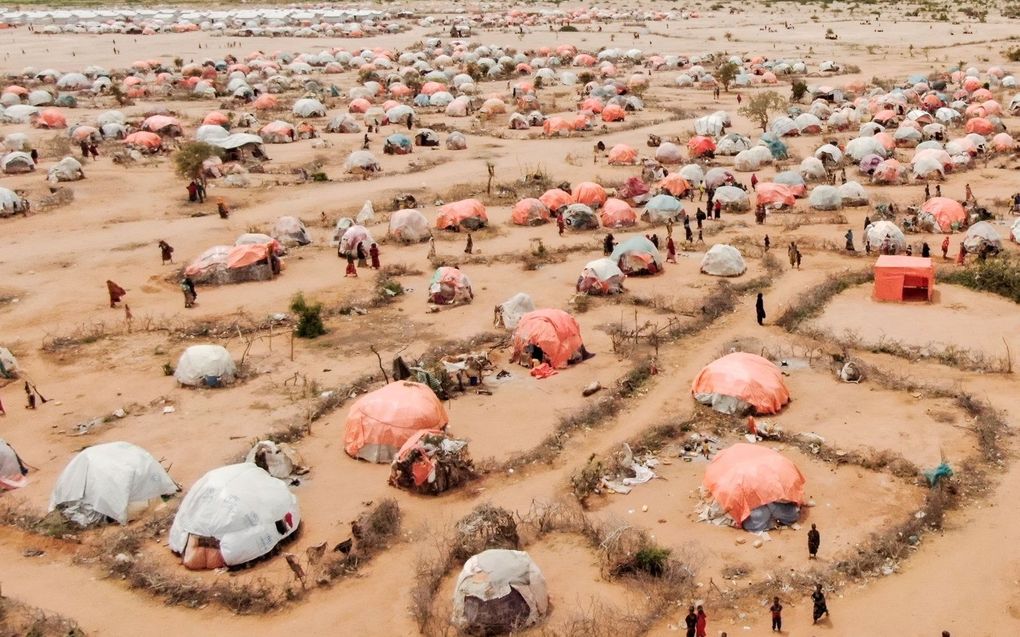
x: 241, y: 506
x: 205, y: 364
x: 514, y: 308
x: 104, y: 480
x: 12, y: 470
x: 723, y: 260
x: 499, y: 587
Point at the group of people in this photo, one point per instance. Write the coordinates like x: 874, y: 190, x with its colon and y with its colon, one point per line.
x: 362, y: 257
x: 89, y: 149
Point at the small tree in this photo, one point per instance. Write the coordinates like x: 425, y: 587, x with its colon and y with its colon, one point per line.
x: 798, y: 90
x: 188, y: 160
x: 760, y: 106
x: 309, y: 317
x: 726, y: 73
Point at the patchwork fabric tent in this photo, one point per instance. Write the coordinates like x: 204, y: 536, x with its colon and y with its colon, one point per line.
x: 450, y: 286
x: 104, y: 481
x: 232, y: 515
x: 381, y: 421
x: 514, y: 308
x: 756, y: 485
x: 601, y: 276
x: 899, y: 278
x: 498, y: 591
x: 741, y: 382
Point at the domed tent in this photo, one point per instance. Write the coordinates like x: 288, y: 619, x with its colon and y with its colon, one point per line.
x: 409, y: 226
x: 900, y: 278
x: 590, y: 194
x: 499, y: 591
x: 551, y: 336
x: 825, y: 197
x: 290, y: 231
x: 381, y: 421
x: 233, y: 515
x: 511, y: 310
x: 578, y: 216
x: 450, y: 286
x: 8, y: 364
x: 209, y: 365
x: 885, y: 237
x: 733, y: 198
x: 308, y: 107
x: 741, y: 382
x: 361, y: 162
x: 756, y: 486
x: 636, y: 256
x: 774, y: 195
x: 622, y: 155
x: 112, y: 480
x: 554, y: 199
x: 982, y: 235
x: 352, y: 237
x: 723, y: 260
x: 67, y: 169
x: 466, y: 213
x: 942, y: 214
x: 12, y: 469
x: 17, y: 162
x: 529, y: 212
x: 601, y: 276
x: 661, y: 208
x: 853, y: 194
x: 617, y: 213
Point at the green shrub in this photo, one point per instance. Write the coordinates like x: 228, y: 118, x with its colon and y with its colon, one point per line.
x: 999, y: 275
x: 568, y: 28
x: 652, y: 560
x: 309, y: 317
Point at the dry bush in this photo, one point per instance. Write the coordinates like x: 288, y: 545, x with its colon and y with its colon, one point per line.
x: 377, y: 527
x: 486, y: 527
x: 20, y: 620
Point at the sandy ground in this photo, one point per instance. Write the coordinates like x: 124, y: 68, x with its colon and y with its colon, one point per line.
x: 55, y: 264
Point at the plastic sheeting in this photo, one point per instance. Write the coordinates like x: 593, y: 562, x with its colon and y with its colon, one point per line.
x: 209, y: 365
x: 494, y: 576
x: 381, y: 421
x: 247, y: 510
x: 741, y: 379
x: 104, y: 480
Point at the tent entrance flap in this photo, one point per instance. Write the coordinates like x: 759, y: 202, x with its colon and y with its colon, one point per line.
x: 915, y: 288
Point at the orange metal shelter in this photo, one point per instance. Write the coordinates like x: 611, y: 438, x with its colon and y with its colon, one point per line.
x: 899, y: 278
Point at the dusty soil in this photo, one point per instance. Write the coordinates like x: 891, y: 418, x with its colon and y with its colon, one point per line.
x: 55, y: 264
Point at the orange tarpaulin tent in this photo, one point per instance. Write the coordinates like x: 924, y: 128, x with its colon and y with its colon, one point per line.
x: 456, y: 213
x: 381, y: 421
x: 744, y: 477
x: 739, y: 379
x: 554, y: 331
x: 899, y: 278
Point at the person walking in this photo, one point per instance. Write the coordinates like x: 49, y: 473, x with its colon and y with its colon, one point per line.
x: 759, y: 308
x: 814, y: 540
x: 688, y: 234
x: 718, y: 209
x: 29, y: 396
x: 115, y: 291
x: 352, y: 270
x: 927, y: 191
x: 188, y: 288
x: 670, y: 250
x: 945, y: 248
x: 767, y: 242
x: 777, y: 615
x: 820, y: 607
x: 469, y: 246
x: 166, y: 251
x: 925, y: 250
x: 432, y: 247
x: 699, y: 216
x: 702, y: 624
x: 849, y: 236
x: 359, y: 251
x: 373, y: 253
x: 867, y: 222
x: 961, y: 256
x: 791, y: 254
x: 797, y: 258
x: 608, y: 244
x: 691, y: 622
x: 561, y: 223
